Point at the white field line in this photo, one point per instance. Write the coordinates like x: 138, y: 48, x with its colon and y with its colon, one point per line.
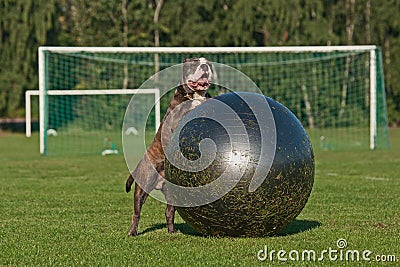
x: 373, y: 178
x: 376, y: 178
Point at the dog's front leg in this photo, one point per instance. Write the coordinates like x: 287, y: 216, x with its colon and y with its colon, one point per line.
x: 139, y: 199
x: 169, y: 210
x: 170, y: 217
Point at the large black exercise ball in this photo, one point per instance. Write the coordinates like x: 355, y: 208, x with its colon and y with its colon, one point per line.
x: 285, y: 187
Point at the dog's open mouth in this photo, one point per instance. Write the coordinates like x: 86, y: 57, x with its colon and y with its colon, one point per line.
x: 201, y: 84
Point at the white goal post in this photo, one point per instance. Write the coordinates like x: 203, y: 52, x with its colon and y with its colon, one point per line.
x: 371, y: 76
x: 29, y: 93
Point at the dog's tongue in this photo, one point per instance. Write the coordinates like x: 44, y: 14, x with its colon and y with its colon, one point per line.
x: 200, y: 82
x: 194, y: 84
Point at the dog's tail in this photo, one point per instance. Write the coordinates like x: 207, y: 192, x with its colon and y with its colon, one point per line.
x: 129, y: 183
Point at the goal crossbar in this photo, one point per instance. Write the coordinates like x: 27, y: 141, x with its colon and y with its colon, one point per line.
x: 255, y: 49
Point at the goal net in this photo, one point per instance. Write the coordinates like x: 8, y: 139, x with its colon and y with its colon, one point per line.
x: 337, y: 92
x: 90, y: 121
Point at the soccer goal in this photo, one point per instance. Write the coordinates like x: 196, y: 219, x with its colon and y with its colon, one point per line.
x: 90, y: 121
x: 337, y: 92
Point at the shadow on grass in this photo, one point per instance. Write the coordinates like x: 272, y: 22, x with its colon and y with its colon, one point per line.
x: 155, y: 227
x: 298, y: 226
x: 184, y: 228
x: 295, y: 227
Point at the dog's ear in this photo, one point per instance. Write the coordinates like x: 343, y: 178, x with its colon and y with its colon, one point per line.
x: 189, y: 59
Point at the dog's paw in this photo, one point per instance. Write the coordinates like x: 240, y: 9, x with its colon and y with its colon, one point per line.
x: 132, y: 233
x: 173, y: 231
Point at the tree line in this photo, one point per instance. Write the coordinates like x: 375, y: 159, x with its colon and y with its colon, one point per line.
x: 27, y: 24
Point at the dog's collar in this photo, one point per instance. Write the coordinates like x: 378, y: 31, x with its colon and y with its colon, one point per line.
x: 185, y: 93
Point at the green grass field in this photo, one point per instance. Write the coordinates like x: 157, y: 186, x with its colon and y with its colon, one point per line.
x: 73, y: 211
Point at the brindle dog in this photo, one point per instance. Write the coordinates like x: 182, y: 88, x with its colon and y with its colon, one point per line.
x: 149, y: 173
